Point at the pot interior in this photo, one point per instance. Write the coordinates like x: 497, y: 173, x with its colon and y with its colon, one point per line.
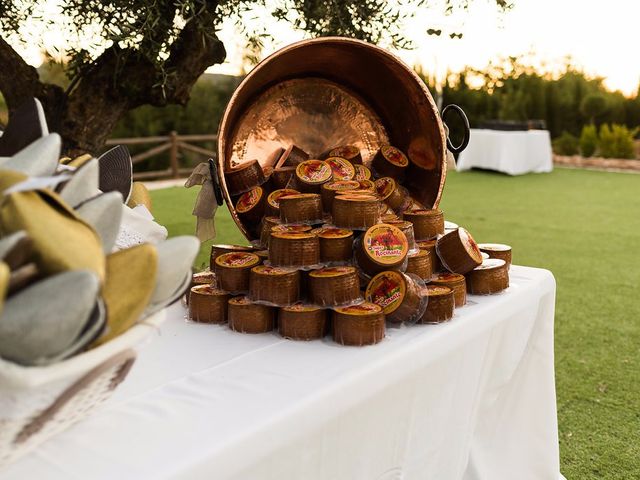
x: 323, y: 93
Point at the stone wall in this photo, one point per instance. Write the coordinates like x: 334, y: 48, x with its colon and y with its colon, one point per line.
x: 597, y: 162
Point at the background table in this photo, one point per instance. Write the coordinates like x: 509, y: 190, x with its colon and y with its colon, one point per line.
x: 514, y: 153
x: 470, y: 399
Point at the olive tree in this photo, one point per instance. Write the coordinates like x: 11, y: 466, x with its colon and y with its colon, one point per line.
x: 130, y: 53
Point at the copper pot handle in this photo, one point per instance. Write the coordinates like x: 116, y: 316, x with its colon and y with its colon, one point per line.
x: 215, y: 180
x: 467, y: 131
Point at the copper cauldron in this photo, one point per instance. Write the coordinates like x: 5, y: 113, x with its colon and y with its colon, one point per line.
x: 322, y: 93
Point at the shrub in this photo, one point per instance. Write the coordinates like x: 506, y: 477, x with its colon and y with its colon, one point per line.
x: 593, y: 105
x: 566, y: 144
x: 616, y: 141
x: 588, y: 140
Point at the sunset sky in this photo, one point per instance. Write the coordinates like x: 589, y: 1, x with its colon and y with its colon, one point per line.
x: 600, y: 36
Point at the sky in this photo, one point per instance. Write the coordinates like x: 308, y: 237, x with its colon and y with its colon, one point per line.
x: 600, y: 36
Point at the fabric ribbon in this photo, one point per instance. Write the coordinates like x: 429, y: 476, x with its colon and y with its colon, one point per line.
x: 205, y: 206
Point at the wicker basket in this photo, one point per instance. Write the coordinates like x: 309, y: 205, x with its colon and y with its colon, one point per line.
x: 39, y: 402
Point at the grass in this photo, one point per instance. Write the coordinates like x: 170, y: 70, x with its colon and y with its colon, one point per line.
x: 584, y: 226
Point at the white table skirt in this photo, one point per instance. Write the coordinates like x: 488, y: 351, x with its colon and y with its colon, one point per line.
x: 514, y: 153
x: 472, y: 399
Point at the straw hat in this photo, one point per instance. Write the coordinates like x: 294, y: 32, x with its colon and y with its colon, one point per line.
x: 130, y: 281
x: 39, y: 159
x: 175, y: 257
x: 139, y: 196
x: 61, y: 241
x: 104, y: 214
x: 40, y: 322
x: 82, y: 185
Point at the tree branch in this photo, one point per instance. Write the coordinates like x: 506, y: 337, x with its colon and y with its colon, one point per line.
x: 19, y: 80
x: 195, y: 49
x: 125, y: 74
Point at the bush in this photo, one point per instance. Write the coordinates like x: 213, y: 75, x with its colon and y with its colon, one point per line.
x: 593, y: 105
x: 588, y: 140
x: 616, y: 141
x: 566, y: 144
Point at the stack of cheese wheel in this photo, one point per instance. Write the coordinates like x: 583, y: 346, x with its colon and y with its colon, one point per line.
x: 344, y: 250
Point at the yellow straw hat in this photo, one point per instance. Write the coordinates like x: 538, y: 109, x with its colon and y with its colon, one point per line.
x: 61, y: 241
x: 129, y: 284
x: 139, y: 196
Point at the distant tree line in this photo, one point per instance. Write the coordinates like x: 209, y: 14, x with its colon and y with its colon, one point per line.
x: 513, y: 91
x: 567, y: 102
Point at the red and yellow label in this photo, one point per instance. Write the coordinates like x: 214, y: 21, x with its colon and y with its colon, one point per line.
x: 346, y: 151
x: 362, y: 173
x: 387, y: 289
x: 385, y: 186
x: 332, y: 272
x: 238, y: 260
x: 367, y: 186
x: 313, y: 171
x: 249, y: 199
x: 470, y: 244
x: 394, y: 156
x: 341, y: 169
x: 385, y: 244
x: 333, y: 232
x: 365, y: 308
x: 275, y: 196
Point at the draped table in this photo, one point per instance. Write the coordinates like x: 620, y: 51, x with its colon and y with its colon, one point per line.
x: 471, y: 399
x: 511, y: 152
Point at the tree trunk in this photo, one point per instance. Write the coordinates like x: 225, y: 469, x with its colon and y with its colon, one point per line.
x: 118, y: 81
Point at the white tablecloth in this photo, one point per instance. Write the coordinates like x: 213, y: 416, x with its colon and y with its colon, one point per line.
x: 472, y: 399
x: 514, y: 153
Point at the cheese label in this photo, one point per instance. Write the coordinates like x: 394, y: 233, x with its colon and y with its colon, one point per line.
x: 313, y: 171
x: 395, y: 156
x: 385, y: 244
x: 249, y: 199
x: 387, y: 289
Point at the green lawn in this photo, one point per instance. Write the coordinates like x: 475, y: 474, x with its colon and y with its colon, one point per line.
x: 583, y: 226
